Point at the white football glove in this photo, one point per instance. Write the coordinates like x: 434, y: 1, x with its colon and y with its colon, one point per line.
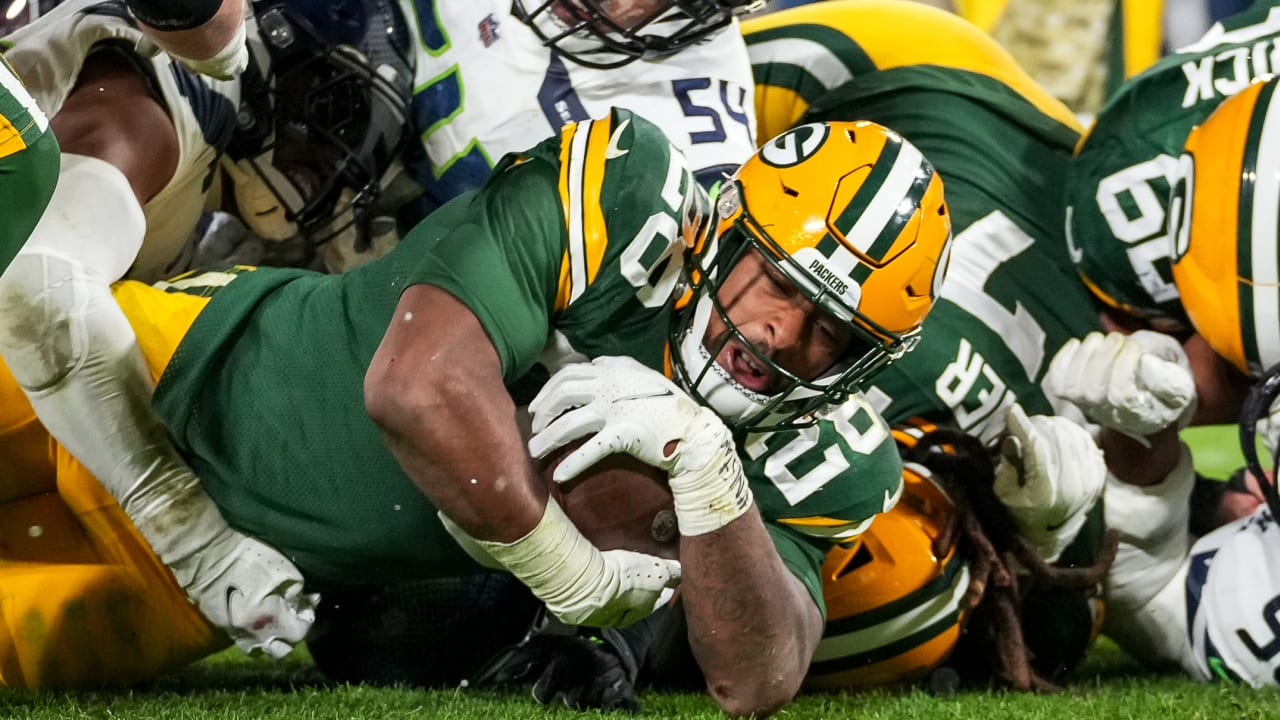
x: 1138, y: 384
x: 1050, y: 474
x: 243, y: 586
x: 635, y: 410
x: 579, y: 583
x: 251, y: 591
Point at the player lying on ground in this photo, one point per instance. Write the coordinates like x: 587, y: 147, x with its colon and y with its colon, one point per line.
x: 569, y: 275
x: 142, y: 137
x: 997, y: 325
x: 840, y: 60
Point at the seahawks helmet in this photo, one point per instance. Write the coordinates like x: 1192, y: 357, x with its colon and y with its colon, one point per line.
x: 853, y: 216
x: 1225, y: 220
x: 323, y: 109
x: 591, y: 33
x: 896, y: 563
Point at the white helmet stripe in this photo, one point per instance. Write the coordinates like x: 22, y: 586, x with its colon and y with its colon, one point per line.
x: 820, y: 62
x: 1265, y: 236
x: 933, y: 610
x: 887, y: 201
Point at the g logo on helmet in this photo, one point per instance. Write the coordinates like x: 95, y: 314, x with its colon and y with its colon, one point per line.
x: 795, y: 146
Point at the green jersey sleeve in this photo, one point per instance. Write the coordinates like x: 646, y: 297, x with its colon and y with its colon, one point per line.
x: 577, y: 246
x: 823, y: 484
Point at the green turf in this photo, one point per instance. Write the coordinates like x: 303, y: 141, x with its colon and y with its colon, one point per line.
x: 1216, y: 449
x: 229, y: 686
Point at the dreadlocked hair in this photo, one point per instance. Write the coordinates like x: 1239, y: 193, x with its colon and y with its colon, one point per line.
x: 1003, y: 568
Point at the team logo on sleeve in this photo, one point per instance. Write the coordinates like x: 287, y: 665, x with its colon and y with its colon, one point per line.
x: 795, y: 146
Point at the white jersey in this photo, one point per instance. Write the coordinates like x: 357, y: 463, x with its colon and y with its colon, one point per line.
x: 1210, y: 606
x: 48, y: 55
x: 1233, y: 601
x: 485, y: 85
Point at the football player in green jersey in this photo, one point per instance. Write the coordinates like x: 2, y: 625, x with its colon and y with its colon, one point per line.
x: 1010, y: 301
x: 1208, y: 605
x: 1118, y: 185
x: 1011, y: 304
x: 391, y: 379
x: 28, y: 164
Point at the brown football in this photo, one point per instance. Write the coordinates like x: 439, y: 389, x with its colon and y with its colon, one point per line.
x: 619, y: 503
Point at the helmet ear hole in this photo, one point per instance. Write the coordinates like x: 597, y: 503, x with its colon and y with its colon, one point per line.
x: 859, y: 557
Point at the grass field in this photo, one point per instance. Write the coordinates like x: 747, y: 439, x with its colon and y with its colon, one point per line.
x: 232, y: 687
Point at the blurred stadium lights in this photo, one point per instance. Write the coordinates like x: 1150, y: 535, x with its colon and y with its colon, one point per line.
x: 17, y: 13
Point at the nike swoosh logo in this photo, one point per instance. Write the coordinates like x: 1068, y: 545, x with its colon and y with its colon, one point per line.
x: 1076, y: 253
x: 613, y: 151
x: 644, y: 396
x: 232, y: 591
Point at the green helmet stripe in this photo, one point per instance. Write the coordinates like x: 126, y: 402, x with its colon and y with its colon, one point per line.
x: 873, y: 219
x: 840, y: 62
x: 899, y: 634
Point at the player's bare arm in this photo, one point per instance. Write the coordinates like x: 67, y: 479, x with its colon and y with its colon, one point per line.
x: 435, y: 388
x: 752, y: 626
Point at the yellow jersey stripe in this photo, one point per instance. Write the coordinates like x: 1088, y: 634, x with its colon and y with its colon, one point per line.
x: 11, y: 140
x: 564, y: 290
x: 594, y: 233
x: 582, y: 167
x: 824, y: 528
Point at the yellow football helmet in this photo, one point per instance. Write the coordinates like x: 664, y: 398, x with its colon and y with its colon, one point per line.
x: 854, y: 216
x: 894, y: 600
x: 1225, y: 217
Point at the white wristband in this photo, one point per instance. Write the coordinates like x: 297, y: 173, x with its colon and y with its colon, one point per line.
x: 554, y: 559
